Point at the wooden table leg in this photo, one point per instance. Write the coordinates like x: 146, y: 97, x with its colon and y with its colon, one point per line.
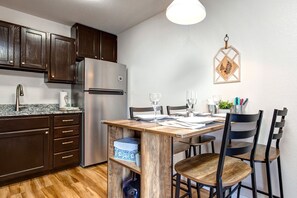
x: 156, y: 165
x: 116, y: 172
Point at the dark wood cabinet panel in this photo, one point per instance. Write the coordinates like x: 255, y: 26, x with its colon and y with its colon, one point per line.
x: 66, y: 144
x: 108, y: 47
x: 67, y: 149
x: 24, y: 152
x: 9, y: 38
x: 66, y: 120
x: 92, y: 43
x: 62, y: 59
x: 60, y: 132
x: 87, y: 41
x: 33, y: 49
x: 66, y: 158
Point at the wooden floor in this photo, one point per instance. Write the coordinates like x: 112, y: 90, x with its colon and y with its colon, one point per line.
x: 72, y: 183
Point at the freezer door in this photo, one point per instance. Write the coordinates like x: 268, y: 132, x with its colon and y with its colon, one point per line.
x: 100, y: 107
x: 105, y: 75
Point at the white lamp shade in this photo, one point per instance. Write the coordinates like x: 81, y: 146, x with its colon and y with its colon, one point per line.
x: 185, y: 12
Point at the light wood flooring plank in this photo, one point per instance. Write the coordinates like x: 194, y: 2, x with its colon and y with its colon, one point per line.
x: 77, y: 182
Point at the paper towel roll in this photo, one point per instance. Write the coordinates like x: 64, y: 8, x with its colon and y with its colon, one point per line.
x: 63, y: 99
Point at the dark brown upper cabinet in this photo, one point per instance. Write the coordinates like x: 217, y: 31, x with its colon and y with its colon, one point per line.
x: 33, y: 49
x: 108, y: 47
x: 9, y: 44
x: 62, y: 59
x: 93, y: 43
x: 87, y: 41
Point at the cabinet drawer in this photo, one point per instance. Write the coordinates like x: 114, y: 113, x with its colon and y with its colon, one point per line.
x: 66, y: 158
x: 24, y: 123
x: 66, y: 144
x: 61, y: 132
x: 66, y: 120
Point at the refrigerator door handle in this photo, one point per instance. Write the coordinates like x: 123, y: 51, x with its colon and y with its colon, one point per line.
x: 105, y: 91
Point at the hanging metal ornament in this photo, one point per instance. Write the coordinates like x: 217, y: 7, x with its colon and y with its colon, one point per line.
x: 226, y: 64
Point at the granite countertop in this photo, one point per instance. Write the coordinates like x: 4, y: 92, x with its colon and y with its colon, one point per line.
x: 32, y: 109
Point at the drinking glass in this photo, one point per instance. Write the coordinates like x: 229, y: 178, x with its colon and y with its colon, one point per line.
x: 155, y: 100
x: 191, y: 101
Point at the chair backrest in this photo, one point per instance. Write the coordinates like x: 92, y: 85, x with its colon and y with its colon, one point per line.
x: 143, y: 109
x: 175, y: 108
x: 276, y: 129
x: 239, y: 127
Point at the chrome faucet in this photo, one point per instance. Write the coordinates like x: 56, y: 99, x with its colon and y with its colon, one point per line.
x: 19, y: 92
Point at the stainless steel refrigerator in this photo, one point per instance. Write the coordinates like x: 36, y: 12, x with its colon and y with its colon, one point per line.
x: 101, y: 91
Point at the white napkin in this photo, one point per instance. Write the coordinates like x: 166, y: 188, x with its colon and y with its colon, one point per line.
x: 177, y: 124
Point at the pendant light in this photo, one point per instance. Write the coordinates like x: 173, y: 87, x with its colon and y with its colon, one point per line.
x: 185, y: 12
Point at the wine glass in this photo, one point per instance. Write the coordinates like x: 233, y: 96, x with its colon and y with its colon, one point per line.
x: 191, y: 101
x: 155, y: 100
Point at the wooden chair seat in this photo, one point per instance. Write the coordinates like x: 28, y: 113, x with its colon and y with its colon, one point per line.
x: 180, y: 147
x: 202, y: 169
x: 260, y: 154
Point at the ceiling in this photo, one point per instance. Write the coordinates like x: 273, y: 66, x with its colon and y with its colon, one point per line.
x: 114, y: 16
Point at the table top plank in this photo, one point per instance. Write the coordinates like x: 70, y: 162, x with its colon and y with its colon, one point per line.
x: 150, y: 127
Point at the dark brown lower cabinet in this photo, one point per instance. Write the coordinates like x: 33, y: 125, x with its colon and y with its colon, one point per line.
x: 34, y: 145
x: 24, y: 149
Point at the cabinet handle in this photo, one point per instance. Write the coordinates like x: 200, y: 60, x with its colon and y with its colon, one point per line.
x: 11, y: 61
x: 46, y: 132
x: 67, y: 156
x: 69, y: 131
x: 23, y: 63
x: 70, y: 120
x: 69, y: 142
x: 95, y: 56
x: 102, y: 58
x: 53, y: 76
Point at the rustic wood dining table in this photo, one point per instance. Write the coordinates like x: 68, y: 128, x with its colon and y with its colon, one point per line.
x: 156, y: 146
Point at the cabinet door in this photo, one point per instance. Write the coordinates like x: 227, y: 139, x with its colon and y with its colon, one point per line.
x: 108, y: 47
x: 87, y: 42
x: 7, y: 39
x: 23, y: 153
x: 33, y: 49
x: 62, y: 61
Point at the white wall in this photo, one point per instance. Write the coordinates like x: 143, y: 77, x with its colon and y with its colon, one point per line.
x: 169, y: 58
x: 36, y: 91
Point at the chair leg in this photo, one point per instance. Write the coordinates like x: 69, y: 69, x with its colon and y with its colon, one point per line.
x: 238, y: 190
x: 190, y: 151
x: 198, y: 190
x: 187, y: 153
x: 254, y: 184
x: 189, y: 188
x: 199, y: 149
x: 211, y: 192
x: 177, y: 186
x: 268, y: 179
x: 220, y: 191
x: 280, y: 177
x: 212, y: 147
x: 194, y: 150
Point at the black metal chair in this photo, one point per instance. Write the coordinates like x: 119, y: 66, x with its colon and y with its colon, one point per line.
x: 267, y: 153
x: 134, y: 110
x: 195, y: 141
x: 220, y: 171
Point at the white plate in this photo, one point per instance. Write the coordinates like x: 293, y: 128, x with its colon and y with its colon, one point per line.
x: 203, y: 114
x: 199, y: 120
x: 222, y: 115
x: 151, y: 117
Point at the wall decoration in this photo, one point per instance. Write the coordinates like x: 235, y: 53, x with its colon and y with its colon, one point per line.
x: 226, y: 64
